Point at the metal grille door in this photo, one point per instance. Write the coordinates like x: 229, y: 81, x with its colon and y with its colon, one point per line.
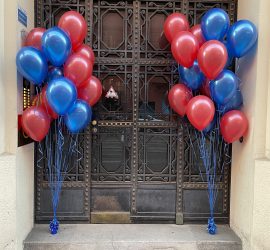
x: 137, y: 164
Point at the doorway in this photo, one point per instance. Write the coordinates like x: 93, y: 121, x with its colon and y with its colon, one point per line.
x: 137, y: 164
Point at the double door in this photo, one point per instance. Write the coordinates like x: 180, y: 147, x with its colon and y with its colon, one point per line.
x: 138, y: 164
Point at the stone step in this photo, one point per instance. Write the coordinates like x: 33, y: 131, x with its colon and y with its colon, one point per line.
x: 131, y: 237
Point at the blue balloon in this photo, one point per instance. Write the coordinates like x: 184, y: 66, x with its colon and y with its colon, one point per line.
x: 54, y: 73
x: 56, y: 46
x: 230, y: 54
x: 236, y: 102
x: 242, y: 36
x: 61, y: 95
x: 215, y: 24
x: 32, y: 64
x: 192, y: 77
x: 78, y: 117
x: 224, y: 87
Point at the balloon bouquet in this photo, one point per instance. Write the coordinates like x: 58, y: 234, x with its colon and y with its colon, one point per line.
x: 208, y: 93
x: 60, y: 66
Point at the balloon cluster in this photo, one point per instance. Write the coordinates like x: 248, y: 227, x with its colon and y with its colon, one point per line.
x: 203, y: 53
x: 58, y: 63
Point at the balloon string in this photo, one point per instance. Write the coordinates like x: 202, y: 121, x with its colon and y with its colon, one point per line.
x: 58, y: 152
x: 213, y: 151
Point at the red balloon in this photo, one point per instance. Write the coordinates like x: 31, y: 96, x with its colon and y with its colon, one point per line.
x: 212, y: 58
x: 19, y: 122
x: 175, y: 23
x: 233, y: 125
x: 197, y: 31
x: 36, y: 101
x: 200, y: 111
x: 34, y: 38
x: 205, y: 88
x: 179, y: 96
x: 35, y: 122
x: 40, y: 100
x: 74, y: 24
x: 90, y: 91
x: 185, y: 48
x: 86, y: 51
x: 46, y: 105
x: 78, y: 69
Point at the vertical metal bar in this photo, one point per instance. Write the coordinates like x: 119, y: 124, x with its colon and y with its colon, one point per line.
x: 89, y: 19
x: 87, y: 171
x: 135, y: 86
x: 184, y: 7
x: 179, y: 177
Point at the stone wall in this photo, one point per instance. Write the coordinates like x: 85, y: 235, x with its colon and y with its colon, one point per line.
x: 250, y: 189
x: 16, y: 164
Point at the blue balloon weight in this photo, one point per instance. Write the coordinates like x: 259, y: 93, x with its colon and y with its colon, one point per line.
x: 242, y: 36
x: 215, y: 24
x: 236, y: 102
x: 192, y: 77
x: 54, y: 73
x: 61, y: 95
x: 78, y: 117
x: 224, y: 87
x: 56, y: 46
x: 32, y: 64
x: 230, y: 54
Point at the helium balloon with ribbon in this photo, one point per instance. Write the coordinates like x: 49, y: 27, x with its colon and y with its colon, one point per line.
x: 32, y: 64
x: 185, y: 48
x: 174, y: 24
x: 200, y: 111
x: 35, y: 122
x: 179, y: 97
x: 54, y: 72
x: 78, y: 117
x: 74, y: 24
x: 86, y: 51
x: 56, y: 46
x: 212, y: 58
x: 78, y: 69
x: 224, y: 87
x: 90, y: 91
x: 192, y: 77
x: 61, y: 95
x: 215, y: 24
x: 196, y: 30
x: 211, y: 126
x: 236, y: 102
x: 33, y: 38
x: 233, y: 125
x: 46, y: 105
x: 242, y: 36
x: 230, y: 54
x: 205, y: 88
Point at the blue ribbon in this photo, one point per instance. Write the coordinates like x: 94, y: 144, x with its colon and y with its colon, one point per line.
x: 58, y: 163
x: 213, y: 151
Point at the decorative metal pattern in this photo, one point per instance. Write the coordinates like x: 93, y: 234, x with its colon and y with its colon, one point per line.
x: 157, y: 155
x: 120, y: 78
x: 111, y: 155
x: 155, y: 83
x: 139, y: 150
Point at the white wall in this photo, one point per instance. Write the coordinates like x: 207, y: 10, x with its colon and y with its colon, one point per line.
x: 2, y: 89
x: 16, y: 164
x: 250, y: 189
